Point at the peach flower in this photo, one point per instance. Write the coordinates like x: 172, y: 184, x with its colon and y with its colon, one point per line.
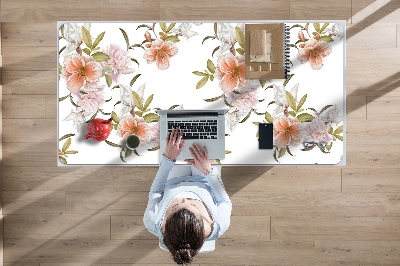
x: 287, y: 131
x: 314, y: 51
x: 132, y: 125
x: 160, y: 52
x: 79, y: 70
x: 231, y: 71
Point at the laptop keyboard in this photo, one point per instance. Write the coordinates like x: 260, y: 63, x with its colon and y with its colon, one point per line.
x: 196, y: 129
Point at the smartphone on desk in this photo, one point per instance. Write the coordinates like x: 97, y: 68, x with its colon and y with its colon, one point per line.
x: 265, y: 136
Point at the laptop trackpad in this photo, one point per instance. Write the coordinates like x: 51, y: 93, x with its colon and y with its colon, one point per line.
x: 213, y: 147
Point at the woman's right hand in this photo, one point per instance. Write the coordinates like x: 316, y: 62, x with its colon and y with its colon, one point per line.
x: 200, y: 159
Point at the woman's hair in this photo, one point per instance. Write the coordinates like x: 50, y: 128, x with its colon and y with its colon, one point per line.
x: 184, y: 235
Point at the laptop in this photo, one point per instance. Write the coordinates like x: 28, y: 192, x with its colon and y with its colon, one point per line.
x: 204, y: 127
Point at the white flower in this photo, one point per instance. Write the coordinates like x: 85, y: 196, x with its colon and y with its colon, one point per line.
x: 77, y: 118
x: 280, y: 98
x: 336, y: 30
x: 226, y: 35
x: 127, y: 100
x: 73, y: 35
x: 184, y: 29
x: 317, y: 131
x: 332, y: 116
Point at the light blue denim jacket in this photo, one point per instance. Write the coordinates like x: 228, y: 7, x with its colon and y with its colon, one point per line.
x: 209, y: 188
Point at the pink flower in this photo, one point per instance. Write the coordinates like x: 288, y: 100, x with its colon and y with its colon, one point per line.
x: 132, y: 125
x: 231, y: 71
x: 287, y: 131
x: 91, y: 98
x: 119, y: 62
x: 314, y: 51
x: 154, y: 134
x: 301, y: 36
x: 160, y: 52
x: 244, y: 102
x: 79, y: 70
x: 317, y: 130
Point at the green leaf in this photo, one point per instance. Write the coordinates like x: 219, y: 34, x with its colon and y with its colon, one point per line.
x: 171, y: 26
x: 115, y: 117
x: 63, y: 98
x: 137, y: 154
x: 272, y: 102
x: 282, y: 152
x: 323, y: 109
x: 201, y: 82
x: 112, y: 144
x: 148, y: 102
x: 292, y: 113
x: 213, y: 99
x: 301, y: 102
x: 329, y: 146
x: 87, y: 39
x: 227, y: 152
x: 211, y: 78
x: 172, y: 38
x: 291, y: 101
x: 72, y: 102
x: 268, y: 117
x: 143, y: 26
x: 62, y: 49
x: 107, y: 69
x: 117, y: 103
x: 93, y: 116
x: 128, y: 153
x: 312, y: 109
x: 296, y: 26
x: 287, y: 80
x: 317, y: 27
x: 62, y: 159
x: 215, y: 49
x: 134, y: 79
x: 275, y: 156
x: 100, y: 56
x: 163, y: 27
x: 151, y: 117
x: 108, y: 80
x: 215, y: 29
x: 66, y: 145
x: 71, y: 152
x: 173, y: 107
x: 288, y: 151
x: 256, y: 123
x: 198, y: 73
x: 226, y: 102
x: 339, y: 130
x: 137, y: 100
x: 136, y: 61
x: 239, y: 36
x: 305, y: 117
x: 331, y: 131
x: 247, y: 117
x: 86, y: 51
x: 66, y: 136
x: 121, y: 157
x: 98, y: 39
x: 339, y: 137
x: 104, y: 113
x: 240, y: 51
x: 263, y: 82
x: 206, y: 38
x: 125, y: 37
x: 326, y: 39
x: 154, y: 149
x: 139, y: 113
x: 324, y: 26
x: 210, y: 66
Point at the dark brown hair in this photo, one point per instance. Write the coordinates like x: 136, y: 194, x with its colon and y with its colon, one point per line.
x: 184, y: 235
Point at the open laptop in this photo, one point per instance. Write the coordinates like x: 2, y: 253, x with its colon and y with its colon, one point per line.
x: 204, y: 127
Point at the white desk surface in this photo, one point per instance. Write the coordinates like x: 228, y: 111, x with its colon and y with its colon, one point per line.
x: 176, y: 86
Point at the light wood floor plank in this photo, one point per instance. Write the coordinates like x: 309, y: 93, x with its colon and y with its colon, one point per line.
x: 128, y: 227
x: 335, y: 228
x: 380, y: 180
x: 356, y: 108
x: 51, y: 106
x: 358, y: 6
x: 33, y: 202
x: 24, y: 106
x: 21, y: 264
x: 50, y: 226
x: 24, y: 154
x: 318, y: 10
x: 29, y: 34
x: 383, y: 155
x: 383, y: 108
x: 309, y: 204
x: 364, y: 252
x: 373, y: 131
x: 223, y: 10
x: 122, y: 10
x: 28, y: 130
x: 393, y: 204
x: 80, y: 179
x: 29, y: 82
x: 45, y: 62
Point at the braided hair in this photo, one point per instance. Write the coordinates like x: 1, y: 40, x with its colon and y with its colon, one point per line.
x: 184, y: 235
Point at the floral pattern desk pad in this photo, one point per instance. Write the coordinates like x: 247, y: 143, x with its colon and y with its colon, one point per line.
x: 123, y: 72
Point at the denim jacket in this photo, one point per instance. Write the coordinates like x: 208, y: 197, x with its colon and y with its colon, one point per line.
x: 209, y: 188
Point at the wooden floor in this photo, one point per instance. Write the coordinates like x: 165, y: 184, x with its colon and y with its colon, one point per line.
x: 281, y: 215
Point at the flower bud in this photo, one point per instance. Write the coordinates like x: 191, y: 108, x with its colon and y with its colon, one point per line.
x: 301, y: 45
x: 147, y: 36
x: 301, y: 36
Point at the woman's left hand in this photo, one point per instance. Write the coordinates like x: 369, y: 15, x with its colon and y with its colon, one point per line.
x: 174, y: 144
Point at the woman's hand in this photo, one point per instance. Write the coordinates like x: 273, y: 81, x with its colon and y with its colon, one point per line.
x: 200, y: 159
x: 174, y: 144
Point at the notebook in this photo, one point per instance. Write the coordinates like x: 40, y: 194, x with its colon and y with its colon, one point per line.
x: 267, y: 54
x: 204, y: 127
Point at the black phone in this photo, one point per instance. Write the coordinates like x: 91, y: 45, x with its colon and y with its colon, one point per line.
x: 265, y: 136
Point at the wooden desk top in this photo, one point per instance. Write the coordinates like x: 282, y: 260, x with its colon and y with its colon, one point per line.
x: 125, y: 71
